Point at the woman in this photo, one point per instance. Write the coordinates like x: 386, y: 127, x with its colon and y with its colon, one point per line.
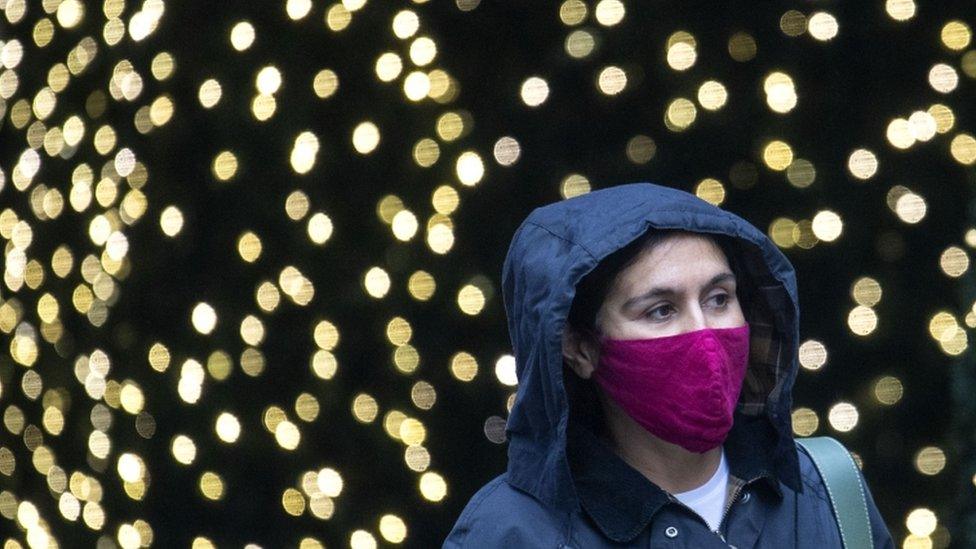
x: 656, y: 346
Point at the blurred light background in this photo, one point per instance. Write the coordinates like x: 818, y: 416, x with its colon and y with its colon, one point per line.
x: 252, y: 249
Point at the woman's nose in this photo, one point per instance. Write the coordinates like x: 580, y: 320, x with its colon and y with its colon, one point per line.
x: 695, y: 319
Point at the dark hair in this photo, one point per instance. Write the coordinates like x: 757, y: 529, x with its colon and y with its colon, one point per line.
x: 593, y: 289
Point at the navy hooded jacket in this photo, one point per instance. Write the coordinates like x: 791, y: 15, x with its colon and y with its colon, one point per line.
x: 563, y: 486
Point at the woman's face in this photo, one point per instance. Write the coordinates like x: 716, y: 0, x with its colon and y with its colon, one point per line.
x: 681, y: 285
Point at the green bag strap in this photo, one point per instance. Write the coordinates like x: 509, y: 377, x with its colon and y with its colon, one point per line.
x: 840, y: 476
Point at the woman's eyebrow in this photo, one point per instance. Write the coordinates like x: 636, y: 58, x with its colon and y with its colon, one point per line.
x: 661, y: 290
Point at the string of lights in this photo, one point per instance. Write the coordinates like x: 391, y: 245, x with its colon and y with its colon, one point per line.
x: 251, y: 253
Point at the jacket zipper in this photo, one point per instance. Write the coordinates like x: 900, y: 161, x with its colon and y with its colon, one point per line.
x: 725, y: 514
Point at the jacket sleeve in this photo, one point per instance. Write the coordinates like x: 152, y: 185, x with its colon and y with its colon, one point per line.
x: 879, y: 531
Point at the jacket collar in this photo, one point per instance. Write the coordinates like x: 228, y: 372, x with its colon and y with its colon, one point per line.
x: 621, y: 501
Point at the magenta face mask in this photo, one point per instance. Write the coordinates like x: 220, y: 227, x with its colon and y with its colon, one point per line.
x: 681, y: 388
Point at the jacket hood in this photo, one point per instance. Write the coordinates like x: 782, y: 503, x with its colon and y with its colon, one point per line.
x: 560, y: 243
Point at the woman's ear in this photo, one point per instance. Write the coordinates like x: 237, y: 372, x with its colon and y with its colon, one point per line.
x: 581, y: 353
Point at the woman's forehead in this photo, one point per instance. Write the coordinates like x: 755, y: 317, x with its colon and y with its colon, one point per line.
x: 680, y: 260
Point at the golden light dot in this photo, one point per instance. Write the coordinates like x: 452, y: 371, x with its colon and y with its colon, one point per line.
x: 296, y: 205
x: 963, y: 149
x: 862, y: 320
x: 329, y: 482
x: 268, y: 80
x: 921, y: 522
x: 287, y: 435
x: 813, y: 354
x: 641, y: 149
x: 303, y: 152
x: 900, y: 134
x: 422, y: 51
x: 574, y: 185
x: 470, y: 168
x: 70, y: 13
x: 432, y: 485
x: 805, y: 422
x: 680, y: 114
x: 338, y: 17
x: 405, y: 24
x: 827, y: 225
x: 423, y: 395
x: 943, y: 78
x: 421, y: 285
x: 822, y: 26
x: 293, y: 502
x: 319, y: 228
x: 450, y: 126
x: 426, y: 152
x: 377, y: 282
x: 956, y: 35
x: 572, y: 12
x: 417, y: 458
x: 954, y: 261
x: 361, y: 539
x: 399, y: 331
x: 364, y: 408
x: 161, y: 111
x: 612, y: 80
x: 204, y: 318
x: 910, y: 207
x: 793, y: 23
x: 507, y: 151
x: 801, y: 173
x: 579, y: 44
x: 404, y: 225
x: 742, y: 47
x: 888, y: 390
x: 228, y: 427
x: 209, y: 93
x: 842, y: 416
x: 609, y: 12
x: 132, y: 398
x: 159, y: 357
x: 388, y: 66
x: 711, y: 191
x: 930, y: 460
x: 105, y: 140
x: 900, y: 10
x: 464, y: 367
x: 325, y: 83
x: 505, y: 370
x: 681, y: 56
x: 534, y: 91
x: 862, y: 164
x: 780, y: 92
x: 942, y: 326
x: 412, y: 432
x: 416, y: 85
x: 471, y: 299
x: 866, y: 291
x: 778, y: 155
x: 366, y: 137
x: 249, y: 247
x: 307, y: 407
x: 406, y: 358
x: 393, y: 529
x: 712, y: 95
x: 225, y: 165
x: 211, y: 485
x: 242, y: 36
x: 131, y: 467
x: 298, y: 9
x: 943, y: 116
x: 922, y: 125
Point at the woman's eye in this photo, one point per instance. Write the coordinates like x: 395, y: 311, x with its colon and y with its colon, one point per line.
x: 659, y: 313
x: 721, y: 300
